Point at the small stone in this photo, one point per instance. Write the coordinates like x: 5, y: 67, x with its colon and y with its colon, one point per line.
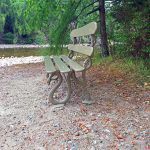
x: 95, y: 142
x: 56, y: 125
x: 99, y: 115
x: 93, y: 119
x: 92, y: 148
x: 87, y: 102
x: 77, y: 134
x: 119, y: 136
x: 58, y: 107
x: 147, y: 85
x: 106, y: 130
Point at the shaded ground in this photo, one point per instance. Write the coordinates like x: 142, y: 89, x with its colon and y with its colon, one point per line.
x: 117, y: 120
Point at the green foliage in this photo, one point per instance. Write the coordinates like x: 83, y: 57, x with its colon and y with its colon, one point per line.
x: 53, y: 17
x: 61, y: 31
x: 2, y: 22
x: 129, y: 66
x: 137, y: 68
x: 128, y: 27
x: 40, y: 38
x: 8, y: 38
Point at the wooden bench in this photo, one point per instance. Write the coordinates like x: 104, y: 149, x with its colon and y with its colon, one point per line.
x: 64, y: 68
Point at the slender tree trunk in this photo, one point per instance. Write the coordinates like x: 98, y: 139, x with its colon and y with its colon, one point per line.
x: 104, y: 42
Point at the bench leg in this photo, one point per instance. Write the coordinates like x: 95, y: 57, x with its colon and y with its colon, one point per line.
x: 75, y: 79
x: 50, y: 77
x: 57, y: 85
x: 86, y: 98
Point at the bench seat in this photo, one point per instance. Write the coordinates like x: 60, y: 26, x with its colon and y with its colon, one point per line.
x: 61, y: 63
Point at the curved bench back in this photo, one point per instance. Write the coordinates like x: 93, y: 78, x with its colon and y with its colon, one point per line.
x: 88, y: 29
x: 78, y: 35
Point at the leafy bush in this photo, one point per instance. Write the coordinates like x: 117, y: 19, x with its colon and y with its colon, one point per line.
x: 128, y: 28
x: 8, y: 38
x: 29, y: 40
x: 40, y: 38
x: 25, y: 39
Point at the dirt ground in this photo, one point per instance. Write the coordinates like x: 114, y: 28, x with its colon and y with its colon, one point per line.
x: 118, y: 120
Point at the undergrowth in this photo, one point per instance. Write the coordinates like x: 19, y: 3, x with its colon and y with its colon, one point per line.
x: 136, y: 69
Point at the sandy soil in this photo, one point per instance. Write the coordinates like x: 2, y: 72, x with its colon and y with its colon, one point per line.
x: 10, y: 61
x: 118, y: 120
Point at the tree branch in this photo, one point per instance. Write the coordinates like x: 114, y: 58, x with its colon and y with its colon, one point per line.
x: 86, y: 7
x: 94, y: 10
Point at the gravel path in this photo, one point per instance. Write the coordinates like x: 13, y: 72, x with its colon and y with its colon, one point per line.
x: 118, y: 120
x: 10, y: 61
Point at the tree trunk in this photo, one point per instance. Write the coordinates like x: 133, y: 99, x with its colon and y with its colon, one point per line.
x: 104, y: 42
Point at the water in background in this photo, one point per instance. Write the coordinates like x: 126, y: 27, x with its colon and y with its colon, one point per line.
x: 22, y: 52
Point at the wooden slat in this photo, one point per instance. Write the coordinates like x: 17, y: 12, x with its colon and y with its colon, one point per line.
x: 60, y: 64
x: 88, y: 29
x: 49, y: 65
x: 87, y: 50
x: 74, y: 65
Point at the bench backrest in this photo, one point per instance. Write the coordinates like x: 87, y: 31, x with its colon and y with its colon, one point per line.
x: 77, y: 34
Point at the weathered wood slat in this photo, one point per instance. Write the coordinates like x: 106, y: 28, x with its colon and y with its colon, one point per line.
x: 88, y: 29
x: 74, y: 65
x: 49, y: 66
x: 87, y: 50
x: 60, y: 64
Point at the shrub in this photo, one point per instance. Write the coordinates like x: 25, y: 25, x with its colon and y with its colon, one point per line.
x: 8, y: 38
x: 40, y: 38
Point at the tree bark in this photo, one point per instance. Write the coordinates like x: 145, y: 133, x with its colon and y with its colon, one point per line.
x: 104, y: 42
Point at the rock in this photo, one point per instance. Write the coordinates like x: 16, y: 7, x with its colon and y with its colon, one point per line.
x: 87, y: 102
x: 40, y: 148
x: 72, y: 145
x: 77, y: 134
x: 119, y: 136
x: 56, y: 124
x: 93, y: 148
x: 94, y: 142
x: 147, y: 86
x: 57, y: 107
x: 106, y: 130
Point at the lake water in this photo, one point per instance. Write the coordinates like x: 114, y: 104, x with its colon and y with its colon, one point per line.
x: 19, y: 52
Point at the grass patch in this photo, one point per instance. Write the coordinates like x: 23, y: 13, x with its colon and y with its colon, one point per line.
x: 135, y: 69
